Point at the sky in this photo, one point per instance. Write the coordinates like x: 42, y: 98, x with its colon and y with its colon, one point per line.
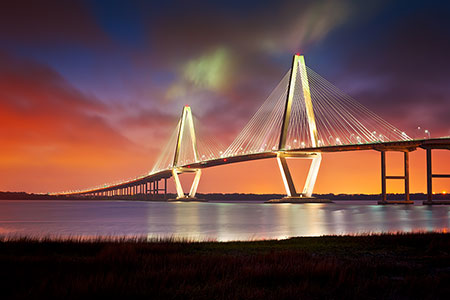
x: 90, y: 91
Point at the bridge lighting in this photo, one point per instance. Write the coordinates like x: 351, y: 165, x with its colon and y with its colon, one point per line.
x: 330, y: 140
x: 253, y: 136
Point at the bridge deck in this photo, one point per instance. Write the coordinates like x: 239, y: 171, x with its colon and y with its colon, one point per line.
x: 404, y: 146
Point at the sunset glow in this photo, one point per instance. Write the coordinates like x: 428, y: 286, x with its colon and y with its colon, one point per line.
x: 92, y: 100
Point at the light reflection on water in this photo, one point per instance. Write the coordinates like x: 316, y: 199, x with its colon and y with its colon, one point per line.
x: 214, y: 221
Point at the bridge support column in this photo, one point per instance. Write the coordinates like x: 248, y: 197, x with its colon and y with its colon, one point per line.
x: 430, y: 177
x: 186, y: 120
x: 312, y: 175
x: 298, y: 64
x: 292, y: 195
x: 181, y: 196
x: 165, y: 187
x: 287, y: 177
x: 405, y: 177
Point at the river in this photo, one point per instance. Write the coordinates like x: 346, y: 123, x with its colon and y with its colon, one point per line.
x: 213, y: 220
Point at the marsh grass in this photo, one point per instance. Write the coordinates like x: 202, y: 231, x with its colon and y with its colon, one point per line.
x: 376, y: 266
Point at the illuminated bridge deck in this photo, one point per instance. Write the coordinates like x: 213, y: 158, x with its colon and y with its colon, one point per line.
x: 404, y: 146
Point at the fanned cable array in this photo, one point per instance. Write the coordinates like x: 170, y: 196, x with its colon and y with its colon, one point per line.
x: 339, y: 119
x: 318, y: 115
x: 262, y: 133
x: 165, y: 159
x: 208, y: 146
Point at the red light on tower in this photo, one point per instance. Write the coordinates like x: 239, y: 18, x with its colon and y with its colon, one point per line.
x: 298, y: 53
x: 225, y: 159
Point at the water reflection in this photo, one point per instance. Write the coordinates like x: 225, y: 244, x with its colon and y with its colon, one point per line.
x: 213, y: 221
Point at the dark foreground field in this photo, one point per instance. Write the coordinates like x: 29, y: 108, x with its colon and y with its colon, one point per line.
x: 370, y: 267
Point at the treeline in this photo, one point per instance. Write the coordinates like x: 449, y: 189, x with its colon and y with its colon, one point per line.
x: 28, y: 196
x: 265, y: 197
x: 214, y: 197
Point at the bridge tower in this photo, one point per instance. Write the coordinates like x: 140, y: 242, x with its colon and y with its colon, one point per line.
x: 298, y: 67
x: 186, y: 120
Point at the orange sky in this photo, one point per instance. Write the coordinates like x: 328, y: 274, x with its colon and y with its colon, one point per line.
x: 38, y: 170
x: 52, y: 139
x: 350, y: 172
x: 89, y: 94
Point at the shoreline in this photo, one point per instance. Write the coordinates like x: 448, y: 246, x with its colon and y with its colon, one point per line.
x: 229, y: 197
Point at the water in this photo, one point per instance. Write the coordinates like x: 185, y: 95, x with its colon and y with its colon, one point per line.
x: 213, y: 221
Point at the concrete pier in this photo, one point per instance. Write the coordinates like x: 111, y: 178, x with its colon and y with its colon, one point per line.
x: 299, y: 200
x: 404, y: 177
x: 187, y: 199
x: 430, y: 177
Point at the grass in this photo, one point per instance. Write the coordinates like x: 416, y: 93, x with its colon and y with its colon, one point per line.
x: 391, y: 266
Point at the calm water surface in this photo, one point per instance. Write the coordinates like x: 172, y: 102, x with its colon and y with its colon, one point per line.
x: 216, y: 221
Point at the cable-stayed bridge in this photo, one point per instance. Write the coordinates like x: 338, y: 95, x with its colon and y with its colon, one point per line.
x: 304, y: 117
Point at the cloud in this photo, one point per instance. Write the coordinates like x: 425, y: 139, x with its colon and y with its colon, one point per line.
x: 277, y: 26
x: 46, y: 124
x: 228, y: 59
x: 222, y: 58
x: 406, y: 78
x: 40, y: 22
x: 304, y: 25
x: 148, y: 127
x: 210, y: 72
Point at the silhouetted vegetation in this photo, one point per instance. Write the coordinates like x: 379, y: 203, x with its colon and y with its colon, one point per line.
x: 334, y: 197
x: 213, y: 197
x: 402, y: 266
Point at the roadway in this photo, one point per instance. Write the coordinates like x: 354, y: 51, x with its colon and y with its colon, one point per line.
x: 403, y: 146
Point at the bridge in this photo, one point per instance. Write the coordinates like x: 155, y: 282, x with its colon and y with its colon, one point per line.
x: 304, y: 117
